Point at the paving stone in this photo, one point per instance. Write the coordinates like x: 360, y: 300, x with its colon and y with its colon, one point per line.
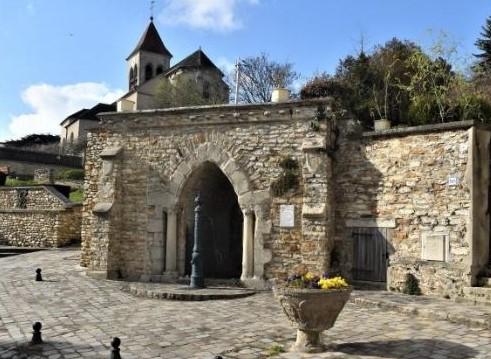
x: 81, y: 315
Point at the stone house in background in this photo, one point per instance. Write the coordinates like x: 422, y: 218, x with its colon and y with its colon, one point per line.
x: 285, y: 188
x: 75, y: 127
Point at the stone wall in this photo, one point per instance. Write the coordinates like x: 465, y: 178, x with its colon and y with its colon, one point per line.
x: 415, y: 182
x: 158, y: 151
x: 38, y: 217
x: 23, y: 163
x: 426, y: 189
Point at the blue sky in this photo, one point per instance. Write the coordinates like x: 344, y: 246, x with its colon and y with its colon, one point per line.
x: 59, y: 56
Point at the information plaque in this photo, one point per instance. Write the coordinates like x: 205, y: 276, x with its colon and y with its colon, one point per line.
x: 287, y: 215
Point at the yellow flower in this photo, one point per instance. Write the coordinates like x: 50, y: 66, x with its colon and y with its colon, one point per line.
x: 308, y: 276
x: 332, y: 283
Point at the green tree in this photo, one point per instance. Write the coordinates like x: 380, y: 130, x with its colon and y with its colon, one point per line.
x: 484, y: 44
x: 440, y: 93
x: 369, y: 84
x: 259, y: 76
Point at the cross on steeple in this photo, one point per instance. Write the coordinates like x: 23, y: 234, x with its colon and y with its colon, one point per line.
x: 152, y: 3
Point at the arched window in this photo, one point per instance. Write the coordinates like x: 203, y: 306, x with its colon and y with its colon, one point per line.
x: 148, y: 72
x: 160, y: 69
x: 131, y: 76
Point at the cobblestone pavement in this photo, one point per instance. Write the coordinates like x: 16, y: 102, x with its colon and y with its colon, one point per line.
x: 81, y: 315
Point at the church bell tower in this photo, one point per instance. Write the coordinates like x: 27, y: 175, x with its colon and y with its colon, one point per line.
x: 149, y: 58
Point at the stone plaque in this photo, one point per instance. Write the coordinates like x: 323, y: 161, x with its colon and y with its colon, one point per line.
x: 433, y: 247
x: 287, y: 215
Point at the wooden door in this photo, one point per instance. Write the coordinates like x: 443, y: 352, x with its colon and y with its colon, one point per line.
x: 370, y: 254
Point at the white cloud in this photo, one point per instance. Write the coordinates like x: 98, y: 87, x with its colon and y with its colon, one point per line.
x: 217, y: 15
x: 225, y: 65
x: 30, y: 9
x: 52, y: 104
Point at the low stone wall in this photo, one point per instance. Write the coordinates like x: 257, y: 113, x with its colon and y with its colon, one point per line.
x: 38, y: 217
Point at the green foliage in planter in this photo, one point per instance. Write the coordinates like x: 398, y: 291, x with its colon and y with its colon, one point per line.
x: 289, y: 178
x: 411, y: 286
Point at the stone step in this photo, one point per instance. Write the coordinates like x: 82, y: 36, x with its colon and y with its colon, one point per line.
x: 367, y: 285
x: 476, y: 295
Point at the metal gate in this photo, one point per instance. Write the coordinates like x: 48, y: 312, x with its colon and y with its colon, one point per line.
x: 370, y: 254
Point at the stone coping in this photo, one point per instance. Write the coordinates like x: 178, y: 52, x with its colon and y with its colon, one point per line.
x: 242, y: 108
x: 185, y: 293
x: 404, y: 131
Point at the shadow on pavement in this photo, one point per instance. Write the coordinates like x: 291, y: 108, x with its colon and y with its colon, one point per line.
x: 48, y: 349
x: 407, y: 348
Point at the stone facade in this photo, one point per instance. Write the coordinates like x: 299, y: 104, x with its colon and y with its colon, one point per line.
x: 293, y: 189
x: 38, y: 217
x: 420, y: 184
x: 139, y: 169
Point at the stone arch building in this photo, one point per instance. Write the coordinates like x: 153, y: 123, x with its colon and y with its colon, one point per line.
x: 144, y: 168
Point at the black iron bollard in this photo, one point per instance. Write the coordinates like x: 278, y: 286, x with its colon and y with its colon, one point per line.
x: 36, y: 334
x: 38, y: 275
x: 116, y: 342
x: 197, y: 279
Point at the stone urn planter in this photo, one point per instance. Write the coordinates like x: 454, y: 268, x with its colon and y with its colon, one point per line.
x: 280, y: 94
x: 382, y: 124
x: 311, y: 311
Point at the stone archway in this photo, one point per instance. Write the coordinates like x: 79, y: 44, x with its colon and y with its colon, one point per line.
x: 221, y: 234
x: 166, y: 228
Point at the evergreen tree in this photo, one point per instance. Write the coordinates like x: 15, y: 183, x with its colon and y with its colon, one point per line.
x: 484, y: 44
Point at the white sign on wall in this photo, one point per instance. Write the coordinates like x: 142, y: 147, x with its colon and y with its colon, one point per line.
x: 287, y: 215
x: 434, y: 247
x: 452, y: 181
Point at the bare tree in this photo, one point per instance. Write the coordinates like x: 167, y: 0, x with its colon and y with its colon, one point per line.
x: 258, y: 76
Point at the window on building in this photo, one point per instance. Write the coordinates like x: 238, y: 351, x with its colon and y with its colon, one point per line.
x: 131, y: 76
x: 148, y: 72
x: 160, y: 70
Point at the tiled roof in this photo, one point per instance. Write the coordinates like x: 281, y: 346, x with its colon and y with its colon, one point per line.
x: 88, y: 114
x: 197, y: 59
x: 151, y: 42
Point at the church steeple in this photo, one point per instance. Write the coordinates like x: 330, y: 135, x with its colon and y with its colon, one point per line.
x: 149, y: 58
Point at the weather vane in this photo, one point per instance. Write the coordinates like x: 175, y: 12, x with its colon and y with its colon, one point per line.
x: 152, y: 3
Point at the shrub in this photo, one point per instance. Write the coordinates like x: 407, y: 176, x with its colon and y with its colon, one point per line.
x: 411, y: 286
x: 72, y: 174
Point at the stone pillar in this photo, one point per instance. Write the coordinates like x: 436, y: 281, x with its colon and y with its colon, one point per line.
x: 248, y: 245
x: 44, y: 175
x: 171, y: 244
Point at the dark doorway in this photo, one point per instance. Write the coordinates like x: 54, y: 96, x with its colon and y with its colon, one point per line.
x: 221, y: 234
x: 370, y: 254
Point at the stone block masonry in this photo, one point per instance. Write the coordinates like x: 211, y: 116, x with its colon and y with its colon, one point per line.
x: 38, y: 217
x: 165, y: 155
x: 420, y: 182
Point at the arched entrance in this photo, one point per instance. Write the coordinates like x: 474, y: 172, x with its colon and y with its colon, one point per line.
x: 222, y: 218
